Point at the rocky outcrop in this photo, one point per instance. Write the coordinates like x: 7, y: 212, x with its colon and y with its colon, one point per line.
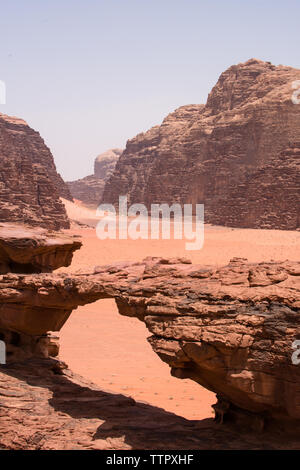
x: 29, y: 183
x: 90, y: 189
x: 27, y: 250
x: 238, y: 154
x: 230, y: 329
x: 44, y: 406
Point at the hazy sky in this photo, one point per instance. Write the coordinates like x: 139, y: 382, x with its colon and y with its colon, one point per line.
x: 90, y: 74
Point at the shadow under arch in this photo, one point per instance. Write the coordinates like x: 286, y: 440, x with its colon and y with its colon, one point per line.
x: 68, y: 412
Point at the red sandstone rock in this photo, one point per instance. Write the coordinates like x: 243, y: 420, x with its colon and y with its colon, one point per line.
x: 44, y: 406
x: 238, y: 154
x: 29, y: 183
x: 230, y: 329
x: 25, y: 249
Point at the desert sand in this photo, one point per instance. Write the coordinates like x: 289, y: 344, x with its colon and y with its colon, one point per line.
x: 111, y: 350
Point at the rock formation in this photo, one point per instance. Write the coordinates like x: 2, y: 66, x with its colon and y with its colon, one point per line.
x: 90, y: 189
x: 230, y: 329
x: 275, y: 185
x: 238, y: 154
x: 29, y: 183
x: 44, y: 406
x: 105, y: 163
x: 27, y: 250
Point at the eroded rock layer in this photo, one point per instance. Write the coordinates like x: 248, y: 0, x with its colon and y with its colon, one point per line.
x: 230, y: 329
x: 30, y: 186
x: 275, y: 185
x: 24, y: 249
x: 90, y: 189
x: 238, y: 154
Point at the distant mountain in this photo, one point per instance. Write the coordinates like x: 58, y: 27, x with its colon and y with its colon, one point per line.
x: 238, y: 154
x: 89, y: 189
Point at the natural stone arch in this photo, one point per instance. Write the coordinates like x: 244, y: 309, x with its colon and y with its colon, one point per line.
x: 230, y: 329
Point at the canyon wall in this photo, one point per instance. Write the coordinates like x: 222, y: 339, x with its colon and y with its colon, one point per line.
x: 30, y: 186
x: 89, y: 190
x: 238, y: 154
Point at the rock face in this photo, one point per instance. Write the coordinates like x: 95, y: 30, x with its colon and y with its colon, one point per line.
x: 90, y: 189
x: 29, y: 183
x: 238, y: 154
x: 27, y: 250
x: 44, y: 406
x: 230, y: 329
x: 276, y: 186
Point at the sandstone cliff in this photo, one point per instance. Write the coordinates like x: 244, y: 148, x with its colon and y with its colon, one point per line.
x: 29, y: 183
x: 90, y: 189
x: 238, y: 154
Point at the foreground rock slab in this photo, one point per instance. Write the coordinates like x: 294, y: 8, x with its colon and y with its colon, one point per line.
x: 25, y: 249
x: 230, y: 329
x: 44, y: 406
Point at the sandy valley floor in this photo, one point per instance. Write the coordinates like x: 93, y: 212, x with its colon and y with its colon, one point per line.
x: 112, y: 350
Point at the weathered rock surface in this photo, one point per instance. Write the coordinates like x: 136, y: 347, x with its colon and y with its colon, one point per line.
x: 230, y: 329
x: 275, y: 185
x: 238, y: 154
x: 29, y: 183
x: 24, y: 249
x: 44, y: 406
x: 90, y: 189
